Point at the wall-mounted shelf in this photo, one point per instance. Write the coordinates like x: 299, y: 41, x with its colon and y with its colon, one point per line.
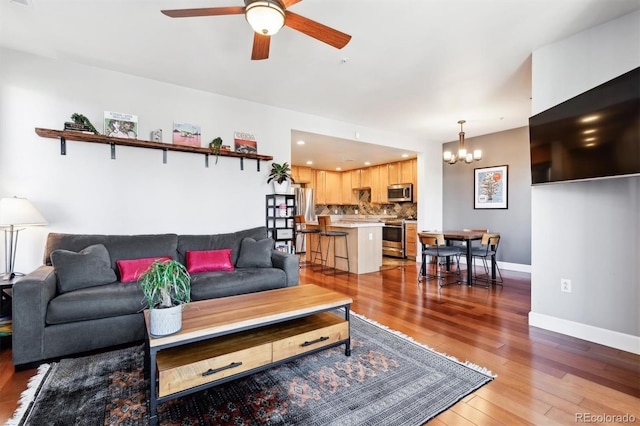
x: 87, y: 137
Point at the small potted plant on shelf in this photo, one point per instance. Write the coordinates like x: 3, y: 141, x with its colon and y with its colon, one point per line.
x: 166, y: 286
x: 280, y: 175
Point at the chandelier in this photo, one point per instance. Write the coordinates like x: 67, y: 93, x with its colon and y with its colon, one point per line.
x: 462, y: 154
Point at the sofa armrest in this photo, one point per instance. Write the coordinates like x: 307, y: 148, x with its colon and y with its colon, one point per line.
x: 31, y: 296
x: 289, y: 263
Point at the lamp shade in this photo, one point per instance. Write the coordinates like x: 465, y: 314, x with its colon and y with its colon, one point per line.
x: 265, y: 17
x: 19, y: 212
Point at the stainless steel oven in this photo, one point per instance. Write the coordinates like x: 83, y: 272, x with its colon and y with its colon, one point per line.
x: 393, y: 238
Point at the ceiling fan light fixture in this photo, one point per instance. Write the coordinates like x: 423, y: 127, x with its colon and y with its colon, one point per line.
x: 266, y: 17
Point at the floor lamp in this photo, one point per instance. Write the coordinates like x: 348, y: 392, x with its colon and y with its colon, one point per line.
x: 15, y: 213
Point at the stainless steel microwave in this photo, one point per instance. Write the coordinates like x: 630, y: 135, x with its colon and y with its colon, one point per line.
x: 400, y: 193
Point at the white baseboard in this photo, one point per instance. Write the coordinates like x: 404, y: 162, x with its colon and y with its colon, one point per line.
x: 518, y: 267
x: 614, y: 339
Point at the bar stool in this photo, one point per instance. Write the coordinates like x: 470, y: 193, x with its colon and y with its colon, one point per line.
x: 324, y: 222
x: 301, y: 229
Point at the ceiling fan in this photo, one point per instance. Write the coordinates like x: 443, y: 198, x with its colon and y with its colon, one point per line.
x: 266, y: 17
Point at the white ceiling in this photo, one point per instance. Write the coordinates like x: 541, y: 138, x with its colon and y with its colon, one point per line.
x: 412, y: 66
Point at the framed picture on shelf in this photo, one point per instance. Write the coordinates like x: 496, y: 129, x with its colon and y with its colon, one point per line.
x: 490, y: 187
x: 245, y: 143
x: 187, y: 134
x: 120, y: 125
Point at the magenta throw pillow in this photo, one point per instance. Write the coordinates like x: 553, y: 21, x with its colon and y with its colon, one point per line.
x: 131, y: 269
x: 209, y: 261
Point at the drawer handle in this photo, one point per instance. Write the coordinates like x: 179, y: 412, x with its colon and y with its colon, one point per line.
x: 217, y: 370
x: 322, y: 339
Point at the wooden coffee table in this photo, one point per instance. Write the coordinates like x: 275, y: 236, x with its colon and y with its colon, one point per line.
x: 231, y: 337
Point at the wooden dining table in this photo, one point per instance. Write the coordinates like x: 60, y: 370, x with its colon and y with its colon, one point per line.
x: 468, y: 237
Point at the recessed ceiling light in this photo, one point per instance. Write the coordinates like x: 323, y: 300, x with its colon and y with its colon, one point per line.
x: 405, y: 155
x: 338, y: 168
x: 589, y: 118
x: 300, y: 142
x: 367, y: 163
x: 309, y: 162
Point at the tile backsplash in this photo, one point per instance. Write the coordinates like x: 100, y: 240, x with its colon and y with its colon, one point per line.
x: 366, y: 207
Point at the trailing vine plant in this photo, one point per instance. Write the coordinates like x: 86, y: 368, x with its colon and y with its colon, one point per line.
x: 214, y: 146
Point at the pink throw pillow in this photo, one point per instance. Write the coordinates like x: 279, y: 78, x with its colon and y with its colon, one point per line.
x: 131, y: 269
x: 209, y: 261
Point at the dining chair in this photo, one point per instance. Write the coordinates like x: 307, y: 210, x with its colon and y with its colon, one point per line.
x: 303, y: 231
x: 434, y: 245
x: 487, y: 250
x: 324, y: 222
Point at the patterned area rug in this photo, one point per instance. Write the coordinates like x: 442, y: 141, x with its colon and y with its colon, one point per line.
x: 387, y: 380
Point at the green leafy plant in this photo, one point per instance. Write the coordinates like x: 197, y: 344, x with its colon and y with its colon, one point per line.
x: 280, y: 173
x: 165, y: 284
x: 214, y: 146
x: 81, y: 119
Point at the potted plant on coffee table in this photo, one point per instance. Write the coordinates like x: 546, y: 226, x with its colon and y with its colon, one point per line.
x: 166, y: 286
x: 280, y: 175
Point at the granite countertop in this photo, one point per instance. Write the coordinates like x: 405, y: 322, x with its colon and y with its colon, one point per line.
x: 351, y: 224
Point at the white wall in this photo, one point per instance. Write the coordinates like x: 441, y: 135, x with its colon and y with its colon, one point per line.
x: 587, y: 231
x: 87, y: 192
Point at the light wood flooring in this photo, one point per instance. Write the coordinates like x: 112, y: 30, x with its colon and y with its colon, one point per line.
x: 544, y: 378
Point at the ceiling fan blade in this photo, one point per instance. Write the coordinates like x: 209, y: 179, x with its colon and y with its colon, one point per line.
x: 316, y: 30
x: 288, y: 3
x: 261, y: 44
x: 207, y: 11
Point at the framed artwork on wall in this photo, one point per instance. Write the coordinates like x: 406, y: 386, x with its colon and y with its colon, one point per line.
x: 490, y: 187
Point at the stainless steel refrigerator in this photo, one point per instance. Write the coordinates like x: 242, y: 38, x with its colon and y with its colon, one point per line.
x: 305, y: 205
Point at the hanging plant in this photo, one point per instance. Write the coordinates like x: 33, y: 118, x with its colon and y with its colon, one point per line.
x: 214, y: 146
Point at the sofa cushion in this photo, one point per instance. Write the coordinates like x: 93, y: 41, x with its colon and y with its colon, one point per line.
x: 209, y: 285
x: 119, y: 246
x: 209, y: 261
x: 217, y: 242
x: 105, y: 301
x: 131, y: 269
x: 89, y: 267
x: 255, y: 254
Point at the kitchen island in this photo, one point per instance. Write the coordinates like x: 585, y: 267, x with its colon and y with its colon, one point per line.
x: 365, y: 245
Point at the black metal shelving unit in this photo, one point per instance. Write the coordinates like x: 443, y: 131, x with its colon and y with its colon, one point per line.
x: 280, y: 221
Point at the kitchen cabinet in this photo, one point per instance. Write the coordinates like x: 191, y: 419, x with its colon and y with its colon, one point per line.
x: 379, y: 176
x: 394, y: 173
x: 406, y: 172
x: 410, y: 239
x: 333, y: 187
x: 301, y: 174
x: 328, y: 187
x: 348, y: 195
x: 360, y: 178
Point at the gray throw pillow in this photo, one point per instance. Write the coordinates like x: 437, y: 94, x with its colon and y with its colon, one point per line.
x: 87, y: 268
x: 255, y: 254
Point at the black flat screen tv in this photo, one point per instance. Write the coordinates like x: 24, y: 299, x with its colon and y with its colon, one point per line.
x: 593, y: 135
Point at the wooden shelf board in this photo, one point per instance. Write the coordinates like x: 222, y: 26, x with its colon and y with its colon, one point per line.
x: 86, y: 137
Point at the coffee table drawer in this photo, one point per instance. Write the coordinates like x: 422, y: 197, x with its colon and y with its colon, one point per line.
x: 179, y: 378
x: 308, y: 341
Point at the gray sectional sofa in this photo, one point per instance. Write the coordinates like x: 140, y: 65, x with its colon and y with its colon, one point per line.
x: 76, y: 303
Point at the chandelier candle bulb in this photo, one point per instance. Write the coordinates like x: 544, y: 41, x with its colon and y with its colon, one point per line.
x: 477, y: 154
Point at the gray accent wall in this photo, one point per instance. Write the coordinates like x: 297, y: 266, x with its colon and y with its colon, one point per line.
x: 510, y: 148
x: 587, y: 231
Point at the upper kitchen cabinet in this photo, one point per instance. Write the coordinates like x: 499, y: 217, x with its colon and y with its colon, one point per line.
x: 328, y: 187
x: 301, y: 174
x: 379, y: 181
x: 360, y: 178
x: 349, y: 195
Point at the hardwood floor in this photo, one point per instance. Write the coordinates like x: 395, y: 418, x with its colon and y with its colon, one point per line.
x: 544, y: 378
